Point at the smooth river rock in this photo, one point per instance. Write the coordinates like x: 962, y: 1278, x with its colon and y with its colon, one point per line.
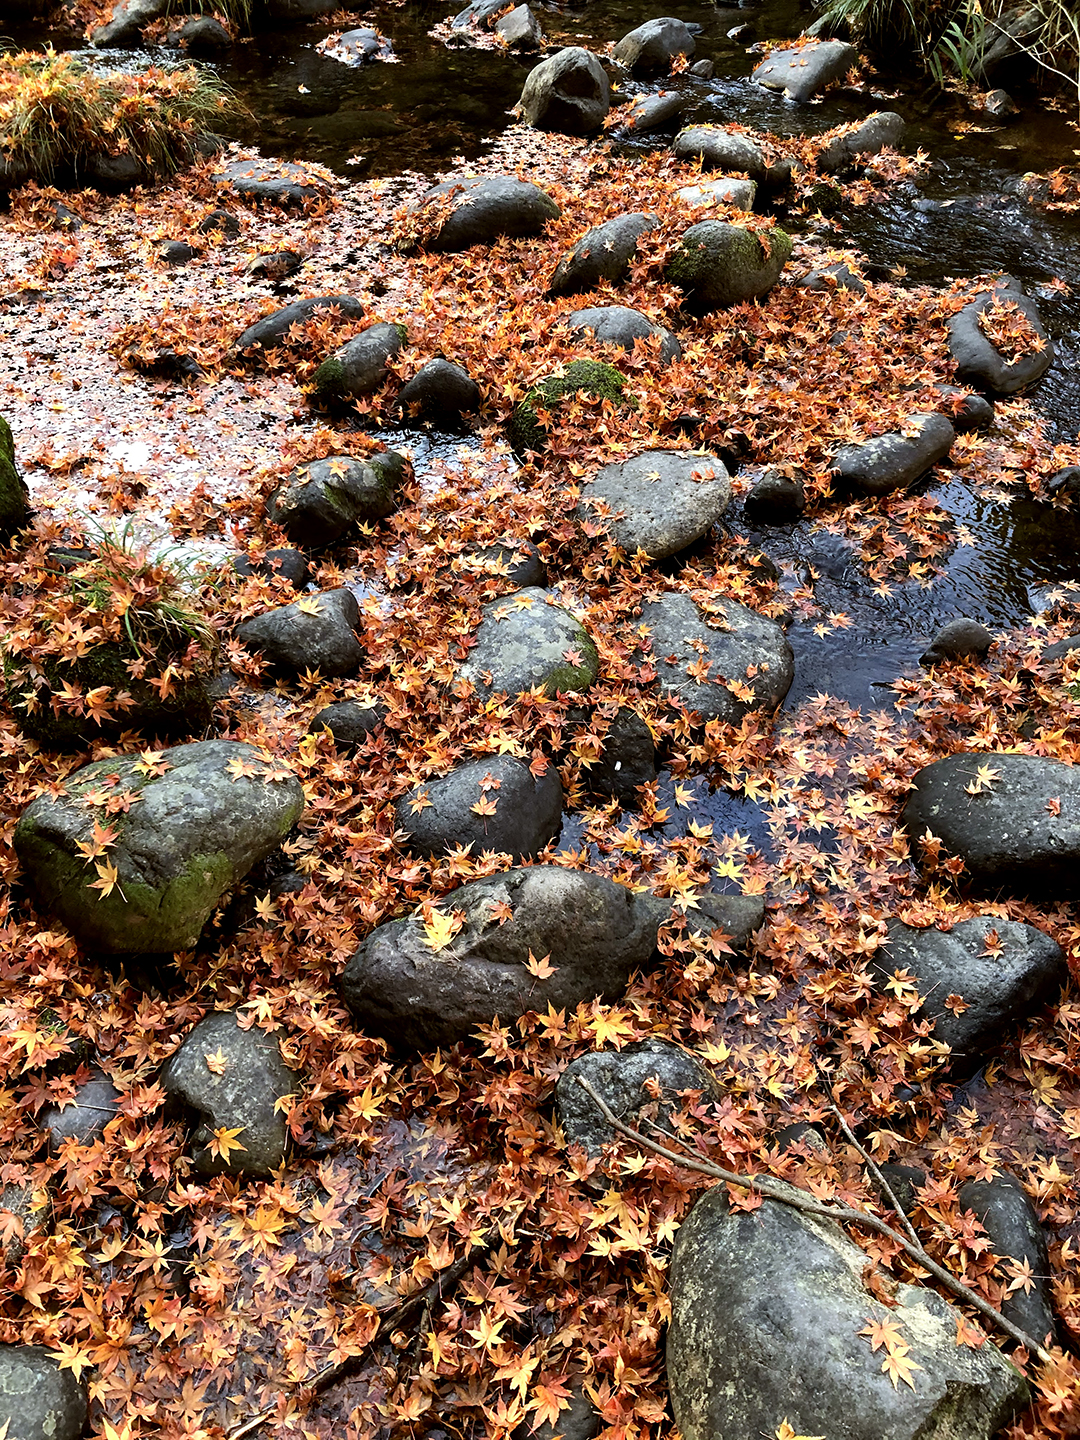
x: 315, y: 633
x: 659, y: 501
x: 718, y: 265
x: 626, y: 1081
x: 720, y: 149
x: 482, y: 210
x: 568, y: 92
x: 527, y: 642
x: 979, y: 362
x: 442, y: 814
x: 891, y: 462
x: 322, y: 501
x: 619, y: 325
x: 602, y: 253
x: 802, y: 71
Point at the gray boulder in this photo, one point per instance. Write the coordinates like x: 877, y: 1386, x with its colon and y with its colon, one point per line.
x: 84, y: 1118
x: 746, y: 641
x: 232, y: 1079
x: 603, y: 253
x: 485, y: 209
x: 999, y: 989
x: 315, y: 633
x: 718, y: 265
x: 272, y: 182
x: 978, y: 361
x: 218, y: 809
x: 202, y: 37
x: 127, y: 22
x: 477, y: 15
x: 349, y: 721
x: 659, y: 501
x: 958, y: 640
x: 324, y: 500
x: 966, y: 409
x: 1009, y: 1218
x: 526, y: 809
x: 359, y: 366
x: 520, y: 29
x: 593, y: 932
x: 38, y: 1400
x: 652, y: 112
x: 803, y: 71
x: 619, y: 325
x: 625, y: 1080
x: 627, y: 756
x: 720, y: 149
x: 358, y: 47
x: 1001, y: 822
x: 524, y: 642
x: 568, y: 92
x: 776, y: 499
x: 273, y: 330
x: 881, y: 131
x: 766, y: 1310
x: 441, y: 393
x: 652, y: 47
x: 579, y: 1421
x: 892, y: 462
x: 727, y: 190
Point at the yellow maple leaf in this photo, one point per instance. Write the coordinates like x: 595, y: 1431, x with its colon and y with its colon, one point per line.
x: 309, y: 606
x: 224, y: 1141
x: 784, y: 1431
x: 217, y: 1062
x: 440, y: 928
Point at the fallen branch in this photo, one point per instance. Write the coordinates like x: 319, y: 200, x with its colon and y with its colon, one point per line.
x: 330, y: 1374
x: 771, y: 1189
x: 909, y: 1229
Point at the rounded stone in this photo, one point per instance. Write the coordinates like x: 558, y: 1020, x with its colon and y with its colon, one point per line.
x: 657, y: 502
x: 497, y: 804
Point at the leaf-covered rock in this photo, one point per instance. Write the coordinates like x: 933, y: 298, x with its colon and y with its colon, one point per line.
x: 324, y: 500
x: 315, y: 633
x: 526, y: 642
x: 526, y: 430
x: 717, y: 264
x: 489, y: 804
x: 657, y: 502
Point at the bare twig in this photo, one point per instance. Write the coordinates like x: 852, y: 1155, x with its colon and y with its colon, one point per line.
x: 331, y: 1374
x: 787, y: 1194
x: 878, y: 1176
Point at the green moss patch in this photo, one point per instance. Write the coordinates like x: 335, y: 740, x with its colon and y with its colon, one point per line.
x: 581, y: 377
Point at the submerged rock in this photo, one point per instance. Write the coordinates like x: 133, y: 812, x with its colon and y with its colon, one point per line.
x: 999, y: 988
x: 647, y: 1076
x: 720, y: 149
x: 659, y: 501
x: 627, y: 757
x: 718, y: 265
x: 525, y: 643
x: 324, y: 500
x: 568, y: 92
x: 603, y: 253
x: 1010, y: 818
x: 651, y: 47
x: 891, y: 462
x: 218, y: 808
x: 800, y: 72
x: 407, y: 983
x: 482, y: 210
x: 233, y: 1079
x: 776, y: 499
x: 979, y: 362
x: 618, y: 325
x: 38, y: 1400
x: 496, y: 803
x: 766, y: 1310
x: 315, y: 633
x: 728, y: 645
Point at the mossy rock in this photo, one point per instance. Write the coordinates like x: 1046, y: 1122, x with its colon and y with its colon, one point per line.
x: 718, y: 265
x: 581, y: 377
x: 14, y: 499
x: 186, y: 711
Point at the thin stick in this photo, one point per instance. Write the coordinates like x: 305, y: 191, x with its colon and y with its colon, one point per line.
x: 798, y: 1199
x: 878, y: 1176
x: 330, y: 1374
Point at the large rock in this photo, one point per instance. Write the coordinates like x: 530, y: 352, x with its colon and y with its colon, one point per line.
x: 603, y: 253
x: 881, y: 131
x: 14, y: 497
x: 272, y: 182
x: 647, y: 1076
x: 684, y: 641
x: 568, y: 92
x: 718, y: 265
x: 324, y: 500
x: 619, y: 325
x: 652, y: 47
x: 38, y: 1400
x: 482, y: 210
x: 727, y: 190
x: 232, y: 1079
x: 1010, y: 818
x: 526, y: 431
x: 659, y: 501
x: 218, y: 808
x: 1000, y: 981
x: 127, y: 22
x: 493, y: 804
x: 803, y: 70
x: 440, y: 393
x: 652, y: 112
x: 958, y: 640
x: 720, y: 149
x: 891, y: 462
x: 315, y: 633
x: 979, y: 362
x: 359, y: 366
x: 766, y: 1313
x: 592, y: 932
x: 1010, y: 1221
x: 273, y: 330
x: 520, y: 29
x: 525, y: 643
x: 85, y: 1117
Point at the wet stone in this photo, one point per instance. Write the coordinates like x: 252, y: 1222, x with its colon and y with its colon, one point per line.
x: 833, y: 277
x: 603, y: 253
x: 360, y: 366
x: 316, y: 633
x: 882, y: 131
x: 652, y: 112
x: 441, y: 393
x: 289, y: 564
x: 350, y: 722
x: 232, y: 1079
x: 728, y: 190
x: 568, y: 93
x: 275, y: 182
x: 323, y: 501
x: 978, y: 362
x: 658, y: 502
x: 894, y: 461
x: 651, y: 47
x: 619, y: 325
x: 524, y: 643
x: 720, y: 149
x: 1009, y: 1218
x: 86, y: 1116
x: 776, y: 499
x: 520, y: 29
x: 518, y: 562
x: 522, y: 810
x: 202, y: 37
x: 220, y: 222
x: 958, y: 640
x: 176, y: 252
x: 627, y: 757
x: 482, y: 210
x: 644, y: 1079
x: 718, y: 265
x: 38, y: 1400
x: 275, y: 267
x: 802, y: 71
x: 272, y: 330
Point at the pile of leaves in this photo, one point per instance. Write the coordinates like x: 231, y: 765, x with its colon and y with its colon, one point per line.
x: 195, y: 1306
